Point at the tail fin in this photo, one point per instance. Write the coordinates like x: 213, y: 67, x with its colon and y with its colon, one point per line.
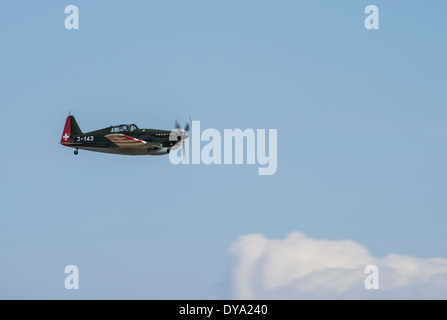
x: 71, y: 128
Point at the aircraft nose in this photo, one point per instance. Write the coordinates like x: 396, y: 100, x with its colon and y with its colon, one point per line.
x: 186, y: 135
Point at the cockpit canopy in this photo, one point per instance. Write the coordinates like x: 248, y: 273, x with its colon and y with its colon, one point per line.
x: 124, y: 127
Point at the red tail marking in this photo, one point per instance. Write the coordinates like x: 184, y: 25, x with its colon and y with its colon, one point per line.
x: 65, y: 139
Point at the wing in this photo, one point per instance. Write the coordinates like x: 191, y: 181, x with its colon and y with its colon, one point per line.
x: 123, y: 141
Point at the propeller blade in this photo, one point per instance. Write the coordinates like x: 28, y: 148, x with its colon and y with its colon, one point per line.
x: 183, y: 152
x: 188, y: 125
x: 177, y: 125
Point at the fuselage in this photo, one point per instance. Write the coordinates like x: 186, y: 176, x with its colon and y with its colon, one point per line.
x: 96, y: 141
x: 125, y: 139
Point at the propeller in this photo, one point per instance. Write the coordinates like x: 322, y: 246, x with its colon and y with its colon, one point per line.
x: 183, y: 134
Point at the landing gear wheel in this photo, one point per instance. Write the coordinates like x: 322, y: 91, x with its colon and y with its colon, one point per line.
x: 76, y: 152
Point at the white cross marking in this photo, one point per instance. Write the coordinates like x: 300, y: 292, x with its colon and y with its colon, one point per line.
x: 66, y: 136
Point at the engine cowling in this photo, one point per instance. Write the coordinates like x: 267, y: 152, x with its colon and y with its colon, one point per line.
x: 159, y: 152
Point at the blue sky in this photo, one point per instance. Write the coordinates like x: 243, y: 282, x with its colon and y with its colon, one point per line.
x: 361, y: 127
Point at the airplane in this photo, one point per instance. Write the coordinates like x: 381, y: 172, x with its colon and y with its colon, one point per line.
x: 126, y: 139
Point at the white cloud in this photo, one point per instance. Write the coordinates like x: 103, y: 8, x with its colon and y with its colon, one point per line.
x: 300, y: 267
